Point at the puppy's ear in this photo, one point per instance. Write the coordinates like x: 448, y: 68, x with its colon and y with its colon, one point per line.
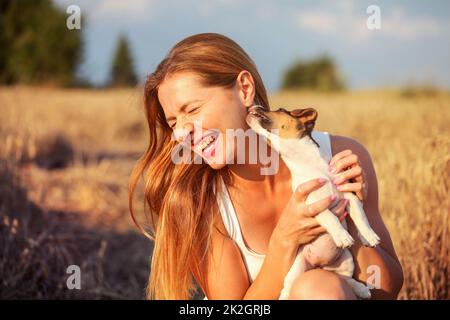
x: 307, y: 116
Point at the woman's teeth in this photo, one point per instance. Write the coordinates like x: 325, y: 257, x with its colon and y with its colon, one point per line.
x: 207, y: 142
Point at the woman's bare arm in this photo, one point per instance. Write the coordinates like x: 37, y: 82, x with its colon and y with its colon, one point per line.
x: 270, y: 279
x: 227, y: 275
x: 383, y: 256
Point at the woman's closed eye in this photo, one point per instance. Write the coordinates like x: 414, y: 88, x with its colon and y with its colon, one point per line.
x: 193, y: 109
x: 189, y: 112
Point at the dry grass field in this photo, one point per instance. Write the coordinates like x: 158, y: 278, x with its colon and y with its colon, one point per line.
x: 66, y: 156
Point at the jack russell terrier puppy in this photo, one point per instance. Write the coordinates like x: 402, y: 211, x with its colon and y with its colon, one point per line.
x: 289, y: 133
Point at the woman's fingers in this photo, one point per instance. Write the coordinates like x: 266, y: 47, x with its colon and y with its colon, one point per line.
x: 317, y: 207
x: 303, y: 190
x: 351, y: 173
x: 345, y: 162
x: 361, y: 194
x: 338, y: 156
x: 358, y: 177
x: 343, y: 215
x: 345, y: 165
x: 340, y: 208
x: 316, y: 231
x: 350, y: 187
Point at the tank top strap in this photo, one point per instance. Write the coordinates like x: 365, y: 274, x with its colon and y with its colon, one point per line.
x: 227, y: 211
x: 324, y: 141
x: 230, y: 218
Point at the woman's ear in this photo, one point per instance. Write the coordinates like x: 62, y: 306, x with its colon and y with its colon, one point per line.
x: 246, y: 88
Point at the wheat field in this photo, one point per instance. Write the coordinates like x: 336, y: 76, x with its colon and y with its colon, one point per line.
x: 66, y: 156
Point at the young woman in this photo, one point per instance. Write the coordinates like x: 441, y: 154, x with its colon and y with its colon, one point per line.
x: 220, y: 222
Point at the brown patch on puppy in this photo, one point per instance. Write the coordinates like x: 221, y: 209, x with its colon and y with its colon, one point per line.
x: 290, y: 124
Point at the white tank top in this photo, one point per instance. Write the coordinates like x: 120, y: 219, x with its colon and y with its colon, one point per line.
x: 252, y: 259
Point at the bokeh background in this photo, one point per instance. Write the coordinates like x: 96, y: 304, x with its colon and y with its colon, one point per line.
x: 72, y: 124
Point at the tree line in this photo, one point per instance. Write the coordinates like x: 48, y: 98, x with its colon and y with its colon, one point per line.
x: 38, y: 48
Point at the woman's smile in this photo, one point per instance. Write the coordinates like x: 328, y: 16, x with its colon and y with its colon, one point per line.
x: 206, y: 144
x: 209, y: 146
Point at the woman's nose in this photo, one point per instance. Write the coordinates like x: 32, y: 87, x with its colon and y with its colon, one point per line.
x: 184, y: 132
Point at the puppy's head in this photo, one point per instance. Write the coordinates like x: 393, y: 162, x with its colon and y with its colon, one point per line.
x: 294, y: 124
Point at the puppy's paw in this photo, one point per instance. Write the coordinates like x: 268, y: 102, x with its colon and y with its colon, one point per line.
x: 360, y: 289
x: 343, y: 239
x: 363, y: 292
x: 369, y: 238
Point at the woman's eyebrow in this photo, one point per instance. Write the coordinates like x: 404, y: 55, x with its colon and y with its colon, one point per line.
x: 182, y: 108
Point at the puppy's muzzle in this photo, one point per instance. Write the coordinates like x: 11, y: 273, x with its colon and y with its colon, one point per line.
x: 258, y: 112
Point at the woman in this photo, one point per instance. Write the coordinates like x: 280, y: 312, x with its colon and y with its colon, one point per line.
x: 205, y: 84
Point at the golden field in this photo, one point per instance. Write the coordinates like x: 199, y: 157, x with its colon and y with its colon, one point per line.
x: 77, y: 213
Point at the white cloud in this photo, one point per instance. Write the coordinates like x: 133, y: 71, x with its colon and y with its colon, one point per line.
x: 208, y: 8
x: 399, y: 25
x: 321, y: 22
x: 343, y: 21
x: 339, y: 19
x: 136, y: 9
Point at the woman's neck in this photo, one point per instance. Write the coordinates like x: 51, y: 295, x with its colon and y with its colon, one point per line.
x: 248, y: 175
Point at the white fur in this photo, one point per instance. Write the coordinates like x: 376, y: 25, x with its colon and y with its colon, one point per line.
x: 303, y: 158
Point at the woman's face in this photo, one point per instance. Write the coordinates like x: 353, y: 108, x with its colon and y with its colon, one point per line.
x: 206, y: 113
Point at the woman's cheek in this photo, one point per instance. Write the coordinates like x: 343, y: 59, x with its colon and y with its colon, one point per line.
x: 224, y: 151
x: 221, y: 151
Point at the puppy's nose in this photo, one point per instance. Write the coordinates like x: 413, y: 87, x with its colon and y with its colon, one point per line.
x: 255, y: 108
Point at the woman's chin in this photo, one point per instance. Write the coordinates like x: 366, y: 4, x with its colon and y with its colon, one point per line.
x: 215, y: 158
x: 214, y: 163
x: 216, y: 166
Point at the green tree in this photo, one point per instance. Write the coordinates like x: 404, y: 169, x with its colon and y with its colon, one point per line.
x: 317, y: 74
x: 35, y: 44
x: 122, y: 70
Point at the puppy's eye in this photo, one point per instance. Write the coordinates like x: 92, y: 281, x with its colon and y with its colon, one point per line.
x: 283, y: 126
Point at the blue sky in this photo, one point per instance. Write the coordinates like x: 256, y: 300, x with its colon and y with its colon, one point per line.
x: 412, y: 46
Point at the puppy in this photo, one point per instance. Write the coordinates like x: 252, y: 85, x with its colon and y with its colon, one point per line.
x: 289, y: 133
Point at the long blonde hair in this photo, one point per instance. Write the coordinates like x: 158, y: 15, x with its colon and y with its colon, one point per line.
x: 181, y: 199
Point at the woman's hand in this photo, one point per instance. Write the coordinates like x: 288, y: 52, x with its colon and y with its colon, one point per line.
x: 297, y: 225
x: 350, y: 176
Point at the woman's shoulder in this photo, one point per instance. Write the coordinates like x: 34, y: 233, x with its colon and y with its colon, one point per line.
x: 342, y: 143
